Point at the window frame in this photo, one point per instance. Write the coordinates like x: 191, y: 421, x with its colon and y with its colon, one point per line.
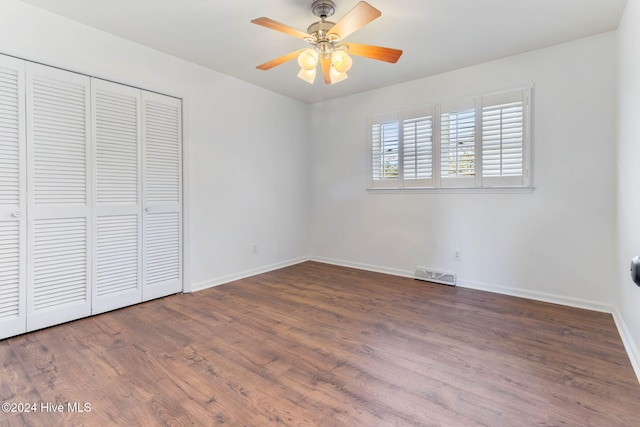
x: 439, y: 183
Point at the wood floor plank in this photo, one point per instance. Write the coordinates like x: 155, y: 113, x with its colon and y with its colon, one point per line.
x: 321, y: 345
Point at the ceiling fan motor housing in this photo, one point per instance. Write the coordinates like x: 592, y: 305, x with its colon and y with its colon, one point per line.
x: 319, y: 29
x: 323, y: 8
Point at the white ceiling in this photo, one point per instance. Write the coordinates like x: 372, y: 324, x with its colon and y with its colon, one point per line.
x: 435, y: 35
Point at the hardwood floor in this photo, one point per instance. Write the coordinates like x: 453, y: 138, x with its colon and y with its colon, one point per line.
x: 319, y: 345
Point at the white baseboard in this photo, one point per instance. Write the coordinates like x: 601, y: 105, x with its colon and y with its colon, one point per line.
x: 366, y: 267
x: 633, y: 351
x: 538, y: 296
x: 244, y: 274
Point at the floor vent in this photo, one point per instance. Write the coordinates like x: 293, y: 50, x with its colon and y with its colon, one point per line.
x: 435, y: 276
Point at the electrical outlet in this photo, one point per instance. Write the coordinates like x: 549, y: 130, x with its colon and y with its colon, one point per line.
x: 457, y: 255
x: 254, y: 248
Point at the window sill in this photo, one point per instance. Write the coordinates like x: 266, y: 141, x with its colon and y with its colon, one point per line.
x: 454, y: 190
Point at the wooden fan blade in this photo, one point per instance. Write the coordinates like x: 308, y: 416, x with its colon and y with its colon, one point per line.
x: 326, y: 69
x: 281, y: 60
x: 278, y: 26
x: 374, y: 52
x: 361, y: 14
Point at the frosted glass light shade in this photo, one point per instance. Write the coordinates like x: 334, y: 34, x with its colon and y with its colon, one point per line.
x: 307, y: 75
x: 337, y: 76
x: 308, y: 59
x: 341, y: 62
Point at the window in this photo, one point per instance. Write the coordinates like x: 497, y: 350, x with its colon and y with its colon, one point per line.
x: 458, y: 146
x: 385, y: 151
x: 417, y: 149
x: 503, y: 140
x: 482, y: 142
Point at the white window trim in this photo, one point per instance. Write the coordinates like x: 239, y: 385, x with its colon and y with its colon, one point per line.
x: 439, y: 184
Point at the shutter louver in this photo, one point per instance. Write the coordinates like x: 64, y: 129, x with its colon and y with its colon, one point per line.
x: 502, y: 140
x: 117, y: 151
x: 457, y: 144
x: 59, y: 141
x: 117, y: 260
x: 9, y: 270
x: 417, y: 148
x: 385, y: 151
x: 59, y: 262
x: 376, y: 152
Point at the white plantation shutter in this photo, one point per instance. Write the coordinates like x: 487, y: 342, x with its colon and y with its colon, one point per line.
x: 417, y: 149
x: 116, y: 124
x: 458, y: 146
x: 58, y: 134
x: 12, y: 198
x: 385, y: 150
x: 162, y: 190
x: 479, y: 142
x: 504, y: 138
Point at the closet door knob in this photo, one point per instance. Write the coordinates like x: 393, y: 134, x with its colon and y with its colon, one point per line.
x: 147, y: 209
x: 16, y: 214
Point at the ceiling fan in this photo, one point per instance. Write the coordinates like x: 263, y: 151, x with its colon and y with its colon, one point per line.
x: 326, y: 40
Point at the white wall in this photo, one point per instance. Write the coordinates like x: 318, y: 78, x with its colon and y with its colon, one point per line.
x: 246, y: 155
x: 554, y: 244
x: 628, y: 194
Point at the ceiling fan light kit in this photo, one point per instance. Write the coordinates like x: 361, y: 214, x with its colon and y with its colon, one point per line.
x: 326, y: 38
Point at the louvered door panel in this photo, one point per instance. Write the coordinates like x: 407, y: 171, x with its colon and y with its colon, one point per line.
x: 117, y: 280
x: 10, y: 292
x: 162, y: 152
x: 12, y: 198
x: 116, y: 116
x: 59, y: 262
x: 58, y: 153
x: 162, y: 183
x: 162, y: 256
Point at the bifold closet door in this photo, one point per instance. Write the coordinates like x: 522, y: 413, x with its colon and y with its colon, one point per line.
x: 162, y: 192
x: 58, y: 202
x: 117, y: 208
x: 12, y: 198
